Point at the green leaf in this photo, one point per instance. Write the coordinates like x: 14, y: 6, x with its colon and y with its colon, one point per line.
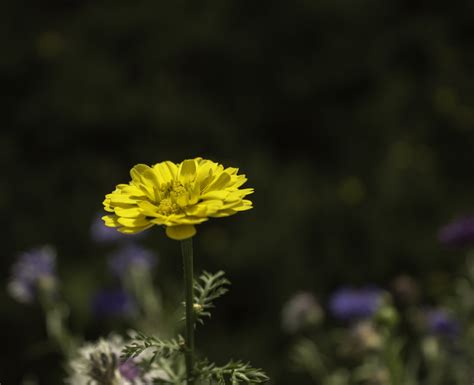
x: 160, y: 348
x: 207, y: 288
x: 234, y: 372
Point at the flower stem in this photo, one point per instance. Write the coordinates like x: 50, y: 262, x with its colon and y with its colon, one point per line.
x: 55, y: 317
x: 187, y: 251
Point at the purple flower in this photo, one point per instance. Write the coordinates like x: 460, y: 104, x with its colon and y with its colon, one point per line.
x: 33, y: 269
x: 131, y: 256
x: 300, y: 311
x: 441, y: 322
x: 349, y: 304
x: 458, y: 233
x: 129, y: 370
x: 113, y: 303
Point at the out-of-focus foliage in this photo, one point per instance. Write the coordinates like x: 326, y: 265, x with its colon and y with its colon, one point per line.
x: 352, y: 120
x: 402, y: 342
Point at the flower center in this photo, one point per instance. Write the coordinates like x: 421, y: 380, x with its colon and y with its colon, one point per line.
x: 173, y: 197
x: 167, y: 207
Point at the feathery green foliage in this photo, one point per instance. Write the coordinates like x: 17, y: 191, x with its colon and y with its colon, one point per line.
x: 234, y: 372
x: 207, y: 288
x: 169, y: 354
x: 161, y: 348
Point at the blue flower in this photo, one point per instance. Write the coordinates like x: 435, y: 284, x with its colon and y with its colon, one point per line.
x: 442, y: 323
x: 131, y: 256
x: 349, y: 304
x: 458, y: 233
x: 113, y: 303
x: 33, y: 269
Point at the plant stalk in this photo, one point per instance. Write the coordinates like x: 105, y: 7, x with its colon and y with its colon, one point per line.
x: 187, y: 251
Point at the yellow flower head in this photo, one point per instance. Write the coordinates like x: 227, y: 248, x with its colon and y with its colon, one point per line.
x: 177, y: 196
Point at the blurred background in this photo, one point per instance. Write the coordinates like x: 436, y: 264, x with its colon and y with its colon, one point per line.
x: 353, y: 120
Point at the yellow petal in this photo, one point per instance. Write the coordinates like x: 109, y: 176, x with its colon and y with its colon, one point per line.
x: 127, y: 212
x: 238, y: 194
x: 246, y: 205
x: 133, y: 230
x: 106, y: 204
x: 147, y: 208
x: 204, y: 170
x: 194, y: 194
x: 224, y: 213
x: 173, y: 168
x: 150, y: 177
x: 121, y: 199
x: 197, y: 210
x: 110, y: 221
x: 204, y: 208
x: 162, y: 220
x: 137, y: 171
x: 131, y: 190
x: 133, y: 222
x: 186, y: 220
x: 187, y: 171
x: 180, y: 232
x: 231, y: 170
x: 219, y: 194
x: 219, y: 183
x: 166, y: 171
x: 238, y: 180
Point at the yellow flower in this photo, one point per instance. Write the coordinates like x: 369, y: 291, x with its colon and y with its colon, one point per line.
x: 177, y: 196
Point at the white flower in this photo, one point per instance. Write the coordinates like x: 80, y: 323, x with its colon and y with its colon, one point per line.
x: 99, y: 363
x: 300, y: 311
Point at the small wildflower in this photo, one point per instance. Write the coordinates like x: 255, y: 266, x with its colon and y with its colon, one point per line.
x: 177, y: 196
x: 300, y: 311
x: 131, y: 256
x: 365, y: 336
x: 442, y: 323
x: 458, y: 233
x: 113, y: 303
x: 100, y: 363
x: 33, y: 270
x: 349, y: 304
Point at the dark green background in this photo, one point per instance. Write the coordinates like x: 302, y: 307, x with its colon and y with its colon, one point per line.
x: 353, y: 120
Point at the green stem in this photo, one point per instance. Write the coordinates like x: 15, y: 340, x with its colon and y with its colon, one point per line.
x: 187, y: 251
x: 55, y: 314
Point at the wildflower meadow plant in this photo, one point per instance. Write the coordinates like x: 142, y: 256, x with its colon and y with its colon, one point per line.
x: 300, y: 311
x: 34, y: 279
x: 101, y: 363
x: 179, y: 197
x: 389, y: 341
x: 458, y: 233
x: 349, y: 304
x: 133, y: 265
x: 33, y: 273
